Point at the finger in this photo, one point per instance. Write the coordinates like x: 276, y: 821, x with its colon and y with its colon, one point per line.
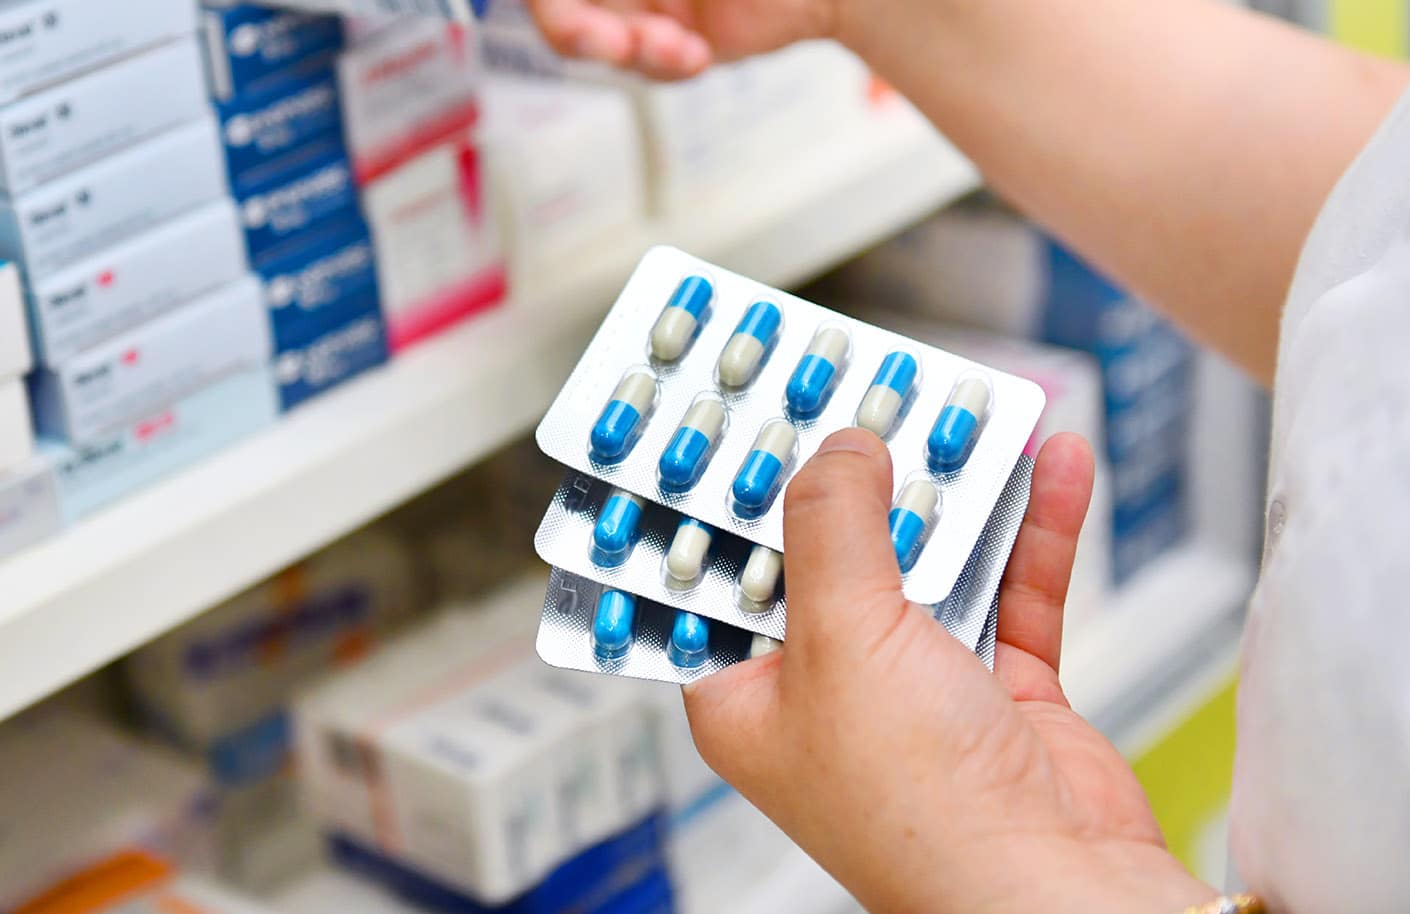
x: 579, y: 28
x: 731, y: 718
x: 665, y: 48
x: 1034, y: 588
x: 840, y: 568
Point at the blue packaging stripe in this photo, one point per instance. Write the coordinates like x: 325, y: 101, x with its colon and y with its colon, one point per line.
x: 314, y: 284
x: 281, y: 206
x: 625, y: 874
x: 692, y: 295
x: 257, y: 49
x: 761, y: 321
x: 263, y: 131
x: 898, y: 372
x: 334, y: 356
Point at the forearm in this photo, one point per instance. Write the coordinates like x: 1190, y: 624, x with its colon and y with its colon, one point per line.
x: 1181, y: 146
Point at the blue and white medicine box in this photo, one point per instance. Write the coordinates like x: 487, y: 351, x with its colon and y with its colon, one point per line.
x: 285, y: 204
x: 322, y: 358
x: 251, y: 49
x: 319, y: 283
x: 272, y: 131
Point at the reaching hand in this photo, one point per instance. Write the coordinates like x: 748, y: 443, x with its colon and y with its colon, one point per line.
x: 892, y: 756
x: 672, y: 39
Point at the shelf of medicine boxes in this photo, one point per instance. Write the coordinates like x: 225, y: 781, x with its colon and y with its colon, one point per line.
x: 126, y: 575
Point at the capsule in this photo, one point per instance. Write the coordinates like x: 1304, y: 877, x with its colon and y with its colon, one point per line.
x: 612, y: 624
x: 758, y: 479
x: 759, y: 580
x: 676, y: 326
x: 817, y: 371
x: 622, y: 419
x: 615, y: 533
x: 957, y: 429
x: 763, y: 644
x: 744, y: 352
x: 688, y: 453
x: 688, y: 550
x: 894, y: 381
x: 690, y: 641
x: 911, y: 515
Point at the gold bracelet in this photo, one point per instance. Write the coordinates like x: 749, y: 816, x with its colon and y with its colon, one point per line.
x: 1230, y: 904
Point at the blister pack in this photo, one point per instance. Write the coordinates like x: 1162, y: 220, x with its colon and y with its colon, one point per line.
x: 704, y: 391
x: 595, y: 627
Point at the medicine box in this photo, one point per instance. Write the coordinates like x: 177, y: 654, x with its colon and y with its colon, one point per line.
x: 16, y: 431
x: 318, y: 356
x: 319, y: 282
x: 83, y: 212
x: 137, y: 373
x: 14, y: 335
x: 136, y: 281
x: 286, y: 203
x: 62, y: 128
x: 43, y: 42
x: 29, y: 505
x: 438, y: 253
x: 251, y: 49
x: 161, y: 442
x: 565, y: 164
x: 268, y: 131
x: 406, y: 89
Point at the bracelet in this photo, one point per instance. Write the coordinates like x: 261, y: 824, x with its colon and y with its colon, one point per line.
x: 1230, y: 904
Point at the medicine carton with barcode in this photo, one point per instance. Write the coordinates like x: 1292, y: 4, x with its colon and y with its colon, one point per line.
x: 705, y: 392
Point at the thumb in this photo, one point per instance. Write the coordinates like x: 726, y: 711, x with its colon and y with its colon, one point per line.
x: 839, y: 565
x: 732, y: 716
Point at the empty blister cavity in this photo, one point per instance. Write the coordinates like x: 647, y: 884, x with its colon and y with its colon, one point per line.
x: 613, y: 624
x: 761, y: 645
x: 750, y: 345
x: 911, y: 519
x: 688, y: 553
x: 691, y: 447
x: 616, y: 531
x: 761, y: 476
x: 758, y: 579
x: 690, y: 641
x: 675, y: 329
x: 818, y: 372
x: 959, y: 425
x: 624, y: 417
x: 891, y: 391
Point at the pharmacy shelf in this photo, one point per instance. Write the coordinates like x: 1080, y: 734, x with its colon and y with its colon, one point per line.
x: 128, y: 574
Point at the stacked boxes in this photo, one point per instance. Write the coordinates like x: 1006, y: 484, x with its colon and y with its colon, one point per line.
x: 29, y: 506
x: 111, y: 180
x: 275, y: 85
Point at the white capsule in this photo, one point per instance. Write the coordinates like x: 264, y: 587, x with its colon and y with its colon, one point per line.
x: 879, y: 409
x: 830, y: 343
x: 741, y: 356
x: 919, y: 498
x: 688, y: 550
x: 759, y: 581
x: 672, y: 333
x: 972, y: 394
x: 763, y: 644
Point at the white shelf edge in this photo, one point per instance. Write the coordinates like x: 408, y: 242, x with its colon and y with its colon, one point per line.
x: 124, y: 576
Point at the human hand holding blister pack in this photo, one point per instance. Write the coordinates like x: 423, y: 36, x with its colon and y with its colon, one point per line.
x: 699, y: 399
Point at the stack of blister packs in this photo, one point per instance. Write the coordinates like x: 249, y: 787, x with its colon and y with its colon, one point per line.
x: 701, y: 395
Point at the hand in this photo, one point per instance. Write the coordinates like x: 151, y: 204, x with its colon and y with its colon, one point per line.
x: 673, y: 39
x: 894, y: 758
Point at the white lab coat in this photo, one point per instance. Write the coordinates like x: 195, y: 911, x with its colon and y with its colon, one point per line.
x: 1321, y: 809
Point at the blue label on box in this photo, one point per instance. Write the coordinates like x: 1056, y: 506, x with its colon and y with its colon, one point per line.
x: 314, y: 285
x: 253, y: 48
x: 308, y: 367
x: 282, y: 205
x: 267, y: 129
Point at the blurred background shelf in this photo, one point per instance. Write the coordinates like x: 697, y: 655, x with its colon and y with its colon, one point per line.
x: 117, y: 580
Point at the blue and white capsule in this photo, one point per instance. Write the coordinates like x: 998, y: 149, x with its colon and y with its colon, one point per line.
x: 690, y: 548
x: 893, y: 385
x: 910, y: 519
x: 624, y: 417
x: 761, y: 475
x: 753, y: 338
x: 959, y: 425
x: 616, y: 530
x: 681, y: 317
x: 818, y: 371
x: 690, y: 641
x: 613, y: 625
x: 688, y: 454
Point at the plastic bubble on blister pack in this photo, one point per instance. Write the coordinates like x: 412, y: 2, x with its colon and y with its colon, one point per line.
x: 785, y: 373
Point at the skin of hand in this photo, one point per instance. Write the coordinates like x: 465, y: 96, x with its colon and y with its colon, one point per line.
x: 923, y: 782
x: 1149, y: 137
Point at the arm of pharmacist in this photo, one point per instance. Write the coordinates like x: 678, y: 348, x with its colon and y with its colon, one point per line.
x: 1183, y: 148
